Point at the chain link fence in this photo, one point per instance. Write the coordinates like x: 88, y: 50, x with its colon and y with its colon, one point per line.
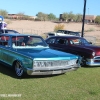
x: 94, y: 39
x: 31, y: 31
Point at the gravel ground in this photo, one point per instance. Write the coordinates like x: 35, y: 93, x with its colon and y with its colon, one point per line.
x: 40, y: 27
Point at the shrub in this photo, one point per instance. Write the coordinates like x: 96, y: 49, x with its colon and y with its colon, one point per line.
x: 59, y: 27
x: 97, y: 20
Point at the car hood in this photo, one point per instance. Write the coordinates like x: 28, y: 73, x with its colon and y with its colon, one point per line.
x: 92, y: 48
x: 96, y: 49
x: 46, y: 53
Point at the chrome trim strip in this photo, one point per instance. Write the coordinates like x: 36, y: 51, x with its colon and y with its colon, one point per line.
x: 15, y: 52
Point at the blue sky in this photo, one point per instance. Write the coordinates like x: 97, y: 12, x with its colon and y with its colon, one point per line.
x: 32, y: 7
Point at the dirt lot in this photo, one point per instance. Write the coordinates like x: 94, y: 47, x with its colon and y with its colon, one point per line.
x: 40, y: 27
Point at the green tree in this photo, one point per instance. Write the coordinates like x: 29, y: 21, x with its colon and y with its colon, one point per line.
x: 45, y: 17
x: 71, y: 16
x: 78, y: 18
x: 97, y: 19
x: 41, y: 16
x: 65, y: 16
x: 4, y: 13
x: 51, y: 17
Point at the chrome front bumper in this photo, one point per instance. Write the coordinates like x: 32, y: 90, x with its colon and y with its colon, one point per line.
x: 49, y: 71
x: 91, y: 62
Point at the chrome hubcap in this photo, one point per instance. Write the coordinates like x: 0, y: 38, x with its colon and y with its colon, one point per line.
x: 18, y: 69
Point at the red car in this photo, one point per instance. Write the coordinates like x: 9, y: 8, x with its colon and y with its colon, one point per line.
x: 89, y: 53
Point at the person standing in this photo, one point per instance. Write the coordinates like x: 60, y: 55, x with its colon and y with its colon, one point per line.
x: 3, y: 25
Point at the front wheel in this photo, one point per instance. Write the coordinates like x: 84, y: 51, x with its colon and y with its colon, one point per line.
x: 83, y: 61
x: 19, y: 69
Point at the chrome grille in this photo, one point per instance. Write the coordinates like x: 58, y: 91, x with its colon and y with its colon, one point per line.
x: 54, y: 63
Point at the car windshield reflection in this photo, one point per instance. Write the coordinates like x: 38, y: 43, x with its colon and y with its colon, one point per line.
x: 28, y: 42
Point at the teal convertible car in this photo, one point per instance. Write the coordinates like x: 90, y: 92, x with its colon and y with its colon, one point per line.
x: 30, y: 54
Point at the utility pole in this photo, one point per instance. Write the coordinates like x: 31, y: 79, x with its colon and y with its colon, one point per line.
x: 84, y: 10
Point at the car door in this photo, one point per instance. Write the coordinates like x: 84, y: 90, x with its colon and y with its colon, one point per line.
x: 75, y: 46
x: 4, y: 49
x: 61, y: 44
x: 65, y: 45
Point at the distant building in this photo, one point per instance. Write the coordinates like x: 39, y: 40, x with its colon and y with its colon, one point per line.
x: 34, y: 17
x: 90, y: 18
x: 18, y: 16
x: 14, y: 16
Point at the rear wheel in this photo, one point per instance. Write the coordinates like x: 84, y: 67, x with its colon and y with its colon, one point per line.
x: 18, y: 69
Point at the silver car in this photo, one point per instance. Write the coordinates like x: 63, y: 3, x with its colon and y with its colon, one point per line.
x: 63, y: 33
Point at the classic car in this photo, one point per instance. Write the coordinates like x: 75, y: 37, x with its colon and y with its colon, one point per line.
x: 7, y: 31
x: 30, y: 54
x: 63, y: 33
x: 67, y: 33
x: 90, y: 54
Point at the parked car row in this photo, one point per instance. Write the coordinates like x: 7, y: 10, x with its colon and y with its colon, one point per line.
x: 32, y: 55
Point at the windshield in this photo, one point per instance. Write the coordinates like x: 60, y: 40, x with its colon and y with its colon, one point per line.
x: 79, y: 41
x: 27, y: 42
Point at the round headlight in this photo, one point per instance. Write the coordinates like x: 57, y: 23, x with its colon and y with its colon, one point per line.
x: 93, y: 53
